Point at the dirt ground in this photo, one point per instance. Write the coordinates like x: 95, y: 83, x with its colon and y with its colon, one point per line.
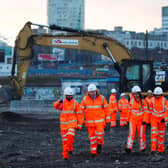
x: 36, y: 143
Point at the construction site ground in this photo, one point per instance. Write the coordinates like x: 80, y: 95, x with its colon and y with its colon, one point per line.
x: 36, y: 143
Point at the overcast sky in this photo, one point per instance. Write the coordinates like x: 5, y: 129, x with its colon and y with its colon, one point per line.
x: 133, y: 15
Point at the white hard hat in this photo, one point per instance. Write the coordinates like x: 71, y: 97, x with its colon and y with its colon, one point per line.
x: 113, y: 90
x: 92, y: 87
x: 149, y: 91
x: 158, y: 91
x: 122, y: 94
x: 136, y: 89
x: 68, y: 91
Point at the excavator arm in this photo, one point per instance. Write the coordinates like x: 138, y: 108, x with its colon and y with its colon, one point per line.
x: 73, y: 39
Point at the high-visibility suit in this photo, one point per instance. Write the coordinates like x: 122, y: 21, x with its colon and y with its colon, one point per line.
x: 148, y: 101
x: 123, y: 107
x: 113, y: 109
x: 135, y: 118
x: 96, y: 115
x: 158, y: 109
x: 71, y: 118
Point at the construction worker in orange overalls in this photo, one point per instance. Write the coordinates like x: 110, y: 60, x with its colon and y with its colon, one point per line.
x: 113, y: 107
x: 123, y: 107
x: 159, y: 110
x: 96, y: 114
x: 149, y: 100
x: 71, y: 118
x: 136, y: 114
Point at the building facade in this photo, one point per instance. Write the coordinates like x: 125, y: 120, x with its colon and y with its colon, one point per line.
x: 165, y: 19
x: 6, y: 52
x: 67, y: 13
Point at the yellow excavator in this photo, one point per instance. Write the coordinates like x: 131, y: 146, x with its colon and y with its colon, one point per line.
x: 67, y: 38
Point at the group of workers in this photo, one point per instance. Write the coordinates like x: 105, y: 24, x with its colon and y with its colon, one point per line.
x: 96, y: 113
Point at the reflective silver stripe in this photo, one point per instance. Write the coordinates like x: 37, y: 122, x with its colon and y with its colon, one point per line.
x: 154, y: 132
x: 71, y: 133
x: 93, y: 142
x: 154, y: 140
x: 105, y: 105
x: 129, y: 139
x: 93, y: 148
x: 94, y: 121
x: 63, y: 135
x: 79, y: 112
x: 160, y: 143
x: 138, y: 114
x: 71, y: 129
x: 162, y: 136
x: 99, y: 133
x: 79, y: 125
x: 161, y: 131
x: 69, y: 122
x: 92, y: 138
x: 66, y: 112
x: 99, y: 137
x: 141, y: 135
x: 82, y: 107
x: 114, y: 101
x: 93, y: 107
x: 65, y: 139
x: 158, y: 115
x: 154, y: 128
x: 107, y: 118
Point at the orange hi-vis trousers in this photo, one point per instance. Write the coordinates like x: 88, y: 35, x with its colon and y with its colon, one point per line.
x: 96, y: 136
x: 133, y: 125
x: 113, y: 119
x: 67, y: 141
x: 157, y: 135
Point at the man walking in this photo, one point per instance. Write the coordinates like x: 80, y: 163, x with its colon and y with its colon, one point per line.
x: 96, y: 114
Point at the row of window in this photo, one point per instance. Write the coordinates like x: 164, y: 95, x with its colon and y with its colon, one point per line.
x: 150, y: 44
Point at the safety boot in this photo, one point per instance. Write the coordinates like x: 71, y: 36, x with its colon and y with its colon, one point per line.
x: 71, y: 152
x: 143, y: 150
x: 128, y: 150
x: 99, y: 148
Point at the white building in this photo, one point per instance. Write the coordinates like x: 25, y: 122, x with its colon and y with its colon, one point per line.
x: 165, y: 19
x: 67, y: 13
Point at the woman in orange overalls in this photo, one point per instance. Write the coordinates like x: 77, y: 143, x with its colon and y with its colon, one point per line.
x: 136, y: 114
x: 71, y: 118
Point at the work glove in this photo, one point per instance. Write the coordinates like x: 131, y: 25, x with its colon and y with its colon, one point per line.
x: 115, y: 111
x: 143, y: 123
x: 162, y: 120
x: 60, y: 101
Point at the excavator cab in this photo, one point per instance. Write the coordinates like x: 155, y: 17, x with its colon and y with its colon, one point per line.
x: 136, y: 72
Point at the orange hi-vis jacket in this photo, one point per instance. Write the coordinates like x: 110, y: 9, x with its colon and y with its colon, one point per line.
x: 71, y: 114
x: 113, y: 103
x: 158, y: 109
x: 148, y: 101
x: 137, y: 110
x: 96, y: 112
x: 123, y: 106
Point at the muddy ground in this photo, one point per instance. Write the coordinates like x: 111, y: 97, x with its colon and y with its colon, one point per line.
x: 36, y: 143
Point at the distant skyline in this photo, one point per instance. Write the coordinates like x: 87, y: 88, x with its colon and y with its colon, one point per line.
x: 132, y: 15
